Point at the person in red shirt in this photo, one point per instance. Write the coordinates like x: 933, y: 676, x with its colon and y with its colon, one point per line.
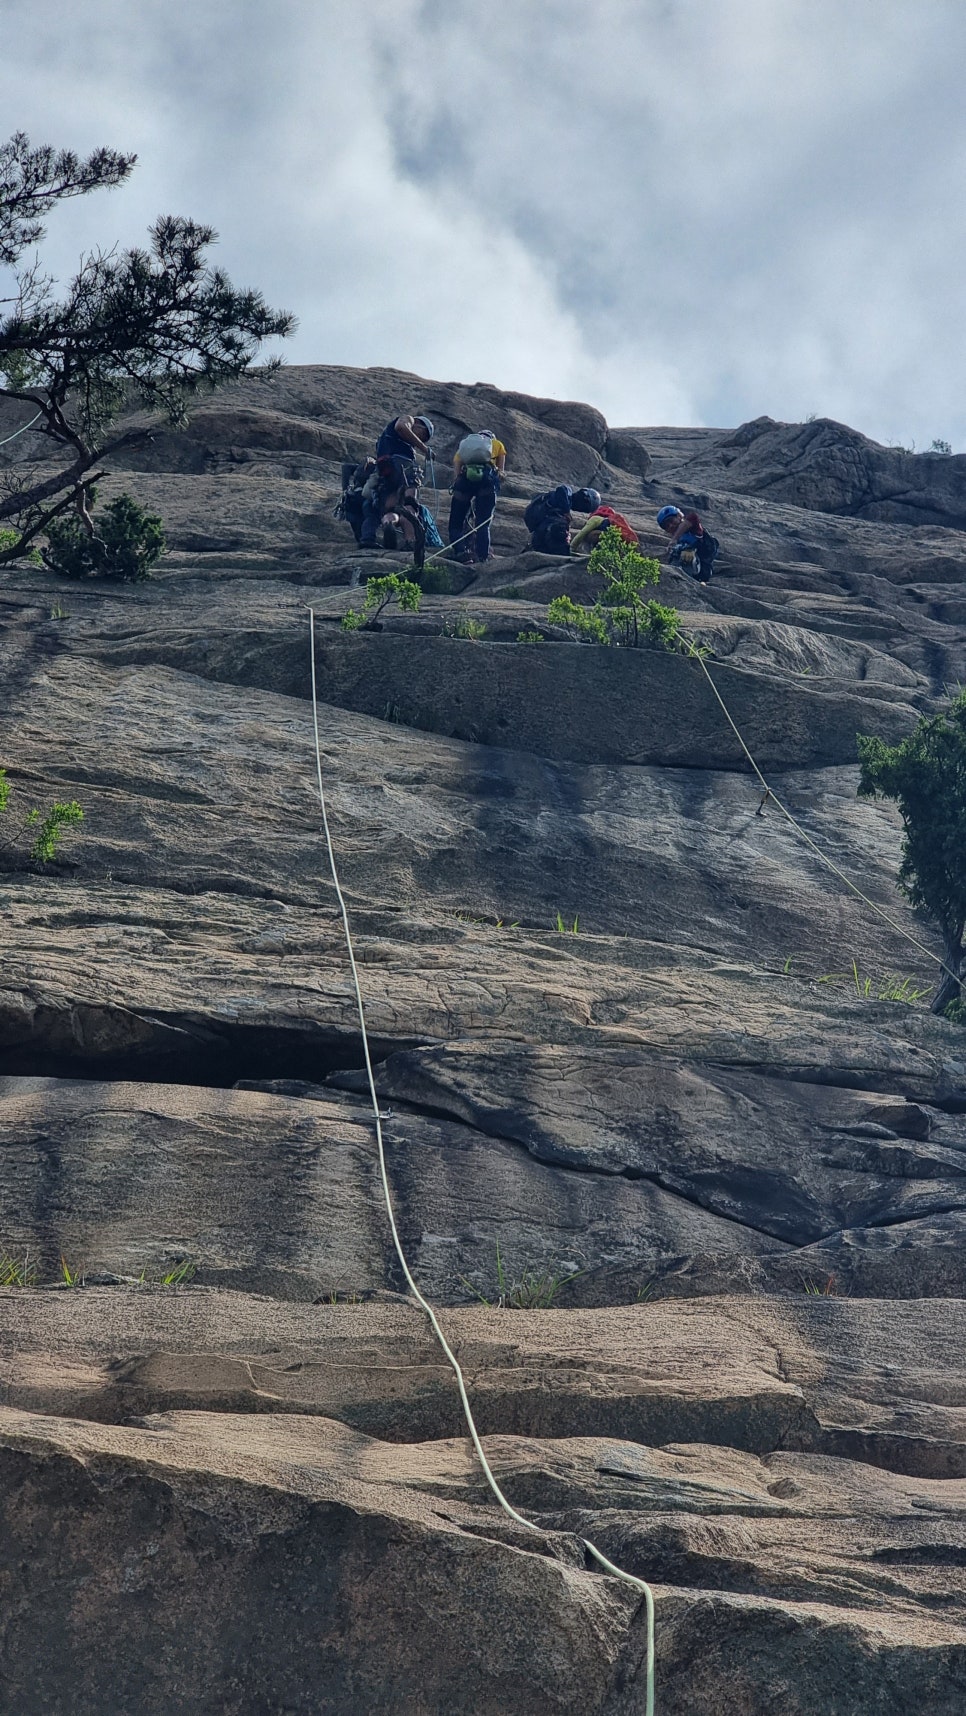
x: 600, y: 520
x: 688, y: 536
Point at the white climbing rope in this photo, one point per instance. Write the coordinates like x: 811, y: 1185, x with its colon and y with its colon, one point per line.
x: 636, y: 1584
x: 22, y: 430
x: 770, y: 793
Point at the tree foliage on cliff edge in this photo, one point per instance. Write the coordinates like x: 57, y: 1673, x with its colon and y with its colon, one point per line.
x: 148, y: 326
x: 926, y: 776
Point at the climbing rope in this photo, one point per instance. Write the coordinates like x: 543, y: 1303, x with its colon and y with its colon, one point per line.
x: 639, y: 1585
x: 22, y: 430
x: 768, y: 792
x: 454, y: 544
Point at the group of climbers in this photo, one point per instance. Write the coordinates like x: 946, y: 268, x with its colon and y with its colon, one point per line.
x: 380, y: 497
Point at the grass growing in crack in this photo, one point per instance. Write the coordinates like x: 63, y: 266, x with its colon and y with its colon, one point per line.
x: 180, y: 1275
x: 465, y: 627
x: 816, y: 1290
x: 533, y: 1290
x: 70, y: 1277
x: 889, y: 988
x: 17, y: 1273
x: 567, y: 929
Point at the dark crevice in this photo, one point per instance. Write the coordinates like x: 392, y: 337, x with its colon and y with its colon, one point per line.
x: 182, y: 1053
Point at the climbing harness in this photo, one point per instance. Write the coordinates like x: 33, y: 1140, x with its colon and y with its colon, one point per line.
x: 636, y: 1584
x: 769, y: 793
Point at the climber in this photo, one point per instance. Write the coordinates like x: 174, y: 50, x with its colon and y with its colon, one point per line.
x: 480, y: 463
x: 395, y: 482
x: 350, y: 505
x: 601, y: 519
x: 690, y: 542
x: 548, y: 517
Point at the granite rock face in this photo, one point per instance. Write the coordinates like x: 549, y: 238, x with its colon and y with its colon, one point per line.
x: 640, y: 1053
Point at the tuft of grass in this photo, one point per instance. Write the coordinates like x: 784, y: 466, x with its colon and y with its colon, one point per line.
x: 465, y: 627
x: 816, y: 1290
x: 180, y: 1275
x: 889, y: 988
x: 533, y: 1290
x: 70, y: 1277
x: 530, y: 637
x: 17, y: 1273
x: 567, y: 929
x: 59, y: 612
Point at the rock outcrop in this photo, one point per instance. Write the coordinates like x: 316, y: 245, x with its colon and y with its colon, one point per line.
x: 644, y: 1060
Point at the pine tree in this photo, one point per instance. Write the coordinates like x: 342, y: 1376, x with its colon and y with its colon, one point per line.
x: 150, y: 327
x: 926, y: 776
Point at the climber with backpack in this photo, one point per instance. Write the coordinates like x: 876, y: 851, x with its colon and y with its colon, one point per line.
x: 480, y: 463
x: 691, y: 544
x: 603, y: 518
x: 548, y: 517
x: 394, y: 485
x: 350, y: 504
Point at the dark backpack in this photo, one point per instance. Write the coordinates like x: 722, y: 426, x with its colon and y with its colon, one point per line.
x: 536, y: 513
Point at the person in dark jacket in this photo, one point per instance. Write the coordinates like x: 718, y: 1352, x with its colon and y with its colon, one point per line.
x: 395, y: 480
x: 548, y: 517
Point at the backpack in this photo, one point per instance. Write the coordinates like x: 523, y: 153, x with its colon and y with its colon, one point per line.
x: 433, y: 538
x: 536, y: 512
x: 476, y: 450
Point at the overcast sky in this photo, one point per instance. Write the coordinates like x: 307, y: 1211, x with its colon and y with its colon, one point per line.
x: 683, y: 211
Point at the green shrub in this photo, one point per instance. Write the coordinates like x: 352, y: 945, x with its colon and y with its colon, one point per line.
x: 127, y: 542
x: 926, y: 776
x: 530, y: 637
x: 46, y: 827
x: 9, y: 539
x: 620, y: 615
x: 379, y: 593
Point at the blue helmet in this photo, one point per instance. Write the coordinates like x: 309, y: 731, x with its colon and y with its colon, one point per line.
x: 668, y: 512
x: 427, y: 425
x: 585, y: 500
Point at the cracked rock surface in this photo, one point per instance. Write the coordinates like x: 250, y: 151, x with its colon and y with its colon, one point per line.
x: 640, y: 1052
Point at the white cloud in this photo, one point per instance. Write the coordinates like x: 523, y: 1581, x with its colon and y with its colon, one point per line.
x: 684, y: 210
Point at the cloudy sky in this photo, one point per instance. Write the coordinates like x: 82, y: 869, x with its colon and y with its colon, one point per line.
x: 684, y: 211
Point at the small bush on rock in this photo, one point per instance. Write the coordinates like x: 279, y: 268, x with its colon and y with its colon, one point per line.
x: 125, y: 544
x: 379, y: 593
x: 620, y: 615
x: 46, y: 827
